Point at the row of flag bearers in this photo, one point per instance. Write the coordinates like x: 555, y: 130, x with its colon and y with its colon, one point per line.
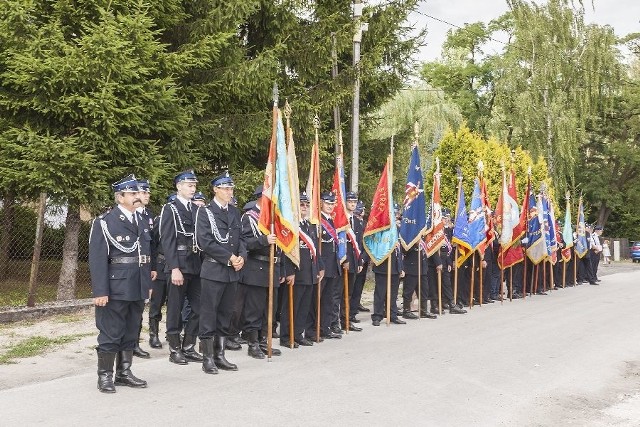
x: 301, y: 256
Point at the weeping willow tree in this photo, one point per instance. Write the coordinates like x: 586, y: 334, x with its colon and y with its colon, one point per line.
x: 557, y: 72
x: 423, y: 105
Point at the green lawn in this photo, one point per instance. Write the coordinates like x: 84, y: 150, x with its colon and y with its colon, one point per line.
x: 14, y: 288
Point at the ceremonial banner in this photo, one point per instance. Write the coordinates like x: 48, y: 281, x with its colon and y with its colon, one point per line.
x: 461, y: 230
x: 313, y: 185
x: 567, y: 234
x: 477, y: 220
x: 340, y: 217
x: 276, y: 205
x: 413, y: 224
x: 507, y: 212
x: 435, y: 235
x: 381, y: 234
x: 536, y: 247
x: 294, y: 186
x: 581, y: 242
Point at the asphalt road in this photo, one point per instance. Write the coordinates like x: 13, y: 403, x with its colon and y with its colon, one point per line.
x: 569, y: 358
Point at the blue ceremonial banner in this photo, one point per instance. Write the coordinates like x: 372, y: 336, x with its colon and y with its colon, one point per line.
x: 461, y: 230
x: 581, y: 241
x: 477, y: 219
x: 549, y: 226
x: 536, y: 247
x: 413, y: 224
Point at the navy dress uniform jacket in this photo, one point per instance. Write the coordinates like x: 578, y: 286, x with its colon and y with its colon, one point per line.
x: 329, y: 253
x: 227, y: 223
x: 307, y: 274
x: 126, y: 282
x: 176, y: 230
x: 256, y: 266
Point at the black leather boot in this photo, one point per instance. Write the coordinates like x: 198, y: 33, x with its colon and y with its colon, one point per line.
x: 105, y: 372
x: 189, y: 349
x: 263, y: 347
x: 218, y: 355
x: 123, y: 371
x: 424, y: 313
x: 208, y: 365
x: 176, y: 355
x: 137, y: 351
x: 407, y: 314
x: 231, y: 343
x: 254, y: 348
x: 154, y: 341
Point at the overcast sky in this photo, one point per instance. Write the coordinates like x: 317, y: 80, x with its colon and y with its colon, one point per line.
x: 622, y: 15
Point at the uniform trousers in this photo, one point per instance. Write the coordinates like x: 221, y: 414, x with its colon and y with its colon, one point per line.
x: 312, y: 315
x: 351, y: 278
x: 158, y: 299
x: 216, y: 308
x: 252, y: 302
x: 301, y: 306
x: 119, y: 324
x: 328, y: 313
x: 380, y: 296
x: 358, y: 287
x: 175, y: 301
x: 410, y: 286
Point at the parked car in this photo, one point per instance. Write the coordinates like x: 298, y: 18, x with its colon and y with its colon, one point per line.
x: 635, y: 252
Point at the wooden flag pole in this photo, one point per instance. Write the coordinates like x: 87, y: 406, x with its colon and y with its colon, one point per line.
x: 511, y: 283
x: 502, y: 278
x: 419, y: 281
x: 552, y: 281
x: 524, y: 276
x: 455, y: 272
x: 440, y: 292
x: 287, y: 114
x: 455, y: 278
x: 316, y: 126
x: 535, y: 280
x: 480, y: 278
x: 473, y: 279
x: 272, y: 247
x: 389, y: 289
x: 544, y: 275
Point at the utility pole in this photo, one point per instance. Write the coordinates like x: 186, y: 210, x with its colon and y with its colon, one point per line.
x: 334, y: 75
x: 355, y: 125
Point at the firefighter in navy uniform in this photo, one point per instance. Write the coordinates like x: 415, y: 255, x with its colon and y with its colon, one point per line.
x: 354, y: 258
x: 410, y: 283
x: 147, y: 221
x: 380, y: 291
x: 332, y: 271
x: 218, y: 235
x: 308, y: 274
x: 159, y: 296
x: 182, y: 266
x: 355, y: 305
x: 119, y: 255
x: 253, y: 286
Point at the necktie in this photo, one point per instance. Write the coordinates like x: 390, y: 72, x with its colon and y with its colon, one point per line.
x: 189, y: 206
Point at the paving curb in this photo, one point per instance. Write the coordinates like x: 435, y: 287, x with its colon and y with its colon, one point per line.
x: 16, y: 314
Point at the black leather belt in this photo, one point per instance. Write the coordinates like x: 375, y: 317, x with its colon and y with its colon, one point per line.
x: 142, y: 259
x: 265, y: 258
x: 209, y: 259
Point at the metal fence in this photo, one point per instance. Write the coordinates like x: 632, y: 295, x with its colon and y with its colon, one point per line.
x: 18, y: 222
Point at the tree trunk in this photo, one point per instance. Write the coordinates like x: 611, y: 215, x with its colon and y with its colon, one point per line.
x: 8, y: 212
x: 69, y: 268
x: 603, y: 214
x: 37, y: 249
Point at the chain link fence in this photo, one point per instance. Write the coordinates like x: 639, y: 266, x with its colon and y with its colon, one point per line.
x: 18, y: 223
